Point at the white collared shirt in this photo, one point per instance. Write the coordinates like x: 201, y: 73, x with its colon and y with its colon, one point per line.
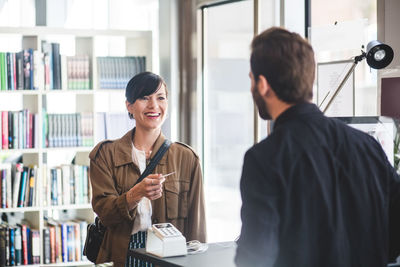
x: 144, y: 211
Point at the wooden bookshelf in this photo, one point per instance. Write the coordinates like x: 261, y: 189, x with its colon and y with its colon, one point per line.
x: 73, y: 42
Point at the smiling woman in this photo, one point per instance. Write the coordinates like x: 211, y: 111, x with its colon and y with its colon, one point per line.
x: 146, y: 96
x: 128, y: 209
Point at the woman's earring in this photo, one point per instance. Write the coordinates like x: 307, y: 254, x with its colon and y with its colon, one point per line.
x: 130, y: 115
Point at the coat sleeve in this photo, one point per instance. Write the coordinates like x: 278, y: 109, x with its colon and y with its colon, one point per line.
x: 196, y: 211
x: 258, y: 244
x: 111, y: 207
x: 394, y: 214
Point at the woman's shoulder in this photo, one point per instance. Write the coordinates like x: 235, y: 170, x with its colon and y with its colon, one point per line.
x: 122, y: 143
x: 184, y: 148
x: 99, y: 147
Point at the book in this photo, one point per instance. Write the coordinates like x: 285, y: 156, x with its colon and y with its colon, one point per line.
x: 3, y: 175
x: 3, y: 71
x: 9, y: 72
x: 4, y: 134
x: 28, y: 68
x: 18, y: 170
x: 3, y: 260
x: 48, y: 65
x: 38, y: 70
x: 18, y: 246
x: 24, y: 242
x: 12, y: 246
x: 7, y: 236
x: 7, y: 167
x: 15, y: 129
x: 22, y: 187
x: 53, y: 255
x: 56, y: 65
x: 66, y: 177
x: 46, y: 246
x: 35, y: 246
x: 32, y: 177
x: 19, y: 70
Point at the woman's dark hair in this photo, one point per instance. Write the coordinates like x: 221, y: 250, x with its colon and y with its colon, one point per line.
x: 143, y: 84
x: 286, y: 60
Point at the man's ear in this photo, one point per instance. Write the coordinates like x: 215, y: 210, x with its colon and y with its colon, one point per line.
x: 263, y: 85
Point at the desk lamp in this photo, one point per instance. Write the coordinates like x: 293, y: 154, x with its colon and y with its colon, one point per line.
x: 378, y: 56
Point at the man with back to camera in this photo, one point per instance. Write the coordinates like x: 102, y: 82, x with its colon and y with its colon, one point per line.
x: 315, y: 192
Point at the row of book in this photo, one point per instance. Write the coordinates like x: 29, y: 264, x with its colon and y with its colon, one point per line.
x: 66, y: 185
x: 19, y: 245
x: 68, y: 130
x: 60, y: 71
x: 64, y: 241
x: 19, y: 185
x: 47, y: 69
x: 78, y: 72
x: 19, y: 129
x: 16, y: 70
x: 29, y: 186
x: 115, y: 72
x: 32, y: 70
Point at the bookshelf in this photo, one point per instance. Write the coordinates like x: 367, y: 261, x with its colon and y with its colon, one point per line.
x: 53, y: 112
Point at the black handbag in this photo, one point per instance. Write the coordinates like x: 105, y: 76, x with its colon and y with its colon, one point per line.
x: 95, y: 231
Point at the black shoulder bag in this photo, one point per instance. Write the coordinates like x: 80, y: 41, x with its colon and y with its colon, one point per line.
x: 95, y: 231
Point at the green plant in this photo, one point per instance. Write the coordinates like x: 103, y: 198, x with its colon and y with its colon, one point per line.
x: 396, y: 146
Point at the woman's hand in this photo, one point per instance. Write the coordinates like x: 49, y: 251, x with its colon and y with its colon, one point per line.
x: 150, y: 187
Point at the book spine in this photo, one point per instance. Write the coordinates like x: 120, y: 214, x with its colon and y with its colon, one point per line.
x: 10, y: 130
x: 35, y: 246
x: 24, y: 244
x: 20, y: 70
x: 18, y: 246
x: 64, y: 242
x: 12, y: 245
x: 31, y: 186
x: 22, y: 190
x: 56, y: 65
x: 9, y: 79
x: 46, y: 246
x: 3, y: 246
x: 27, y: 68
x: 7, y: 233
x: 52, y: 244
x: 4, y: 135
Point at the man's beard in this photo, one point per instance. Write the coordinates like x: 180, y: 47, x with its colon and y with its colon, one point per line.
x: 261, y: 105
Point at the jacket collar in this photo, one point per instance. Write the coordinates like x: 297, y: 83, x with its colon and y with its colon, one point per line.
x: 123, y: 148
x: 297, y: 111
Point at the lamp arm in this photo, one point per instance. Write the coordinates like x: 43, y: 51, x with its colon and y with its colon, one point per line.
x: 356, y: 60
x: 340, y: 86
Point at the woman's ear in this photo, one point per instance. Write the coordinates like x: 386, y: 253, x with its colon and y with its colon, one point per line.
x: 127, y: 104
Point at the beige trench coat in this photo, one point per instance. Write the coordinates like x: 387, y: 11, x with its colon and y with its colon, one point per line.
x: 113, y: 173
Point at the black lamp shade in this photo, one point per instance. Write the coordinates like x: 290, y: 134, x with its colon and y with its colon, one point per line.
x: 379, y: 55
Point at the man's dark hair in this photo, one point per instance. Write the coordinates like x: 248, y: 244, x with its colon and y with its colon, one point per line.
x: 143, y: 84
x: 286, y: 60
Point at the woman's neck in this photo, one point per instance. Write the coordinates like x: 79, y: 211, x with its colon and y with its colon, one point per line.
x: 145, y: 140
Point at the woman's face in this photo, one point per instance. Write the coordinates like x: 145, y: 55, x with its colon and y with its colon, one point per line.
x: 150, y: 111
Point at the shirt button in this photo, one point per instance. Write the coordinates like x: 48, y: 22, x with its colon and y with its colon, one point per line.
x: 155, y: 221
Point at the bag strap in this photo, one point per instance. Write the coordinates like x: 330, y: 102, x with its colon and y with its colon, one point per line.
x: 154, y: 161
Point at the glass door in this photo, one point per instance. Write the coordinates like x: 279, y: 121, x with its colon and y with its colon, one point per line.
x: 228, y: 124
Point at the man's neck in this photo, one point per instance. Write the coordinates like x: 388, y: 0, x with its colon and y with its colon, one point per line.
x: 145, y: 139
x: 278, y: 108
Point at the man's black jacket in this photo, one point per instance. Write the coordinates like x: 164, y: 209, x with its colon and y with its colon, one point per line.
x: 318, y: 193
